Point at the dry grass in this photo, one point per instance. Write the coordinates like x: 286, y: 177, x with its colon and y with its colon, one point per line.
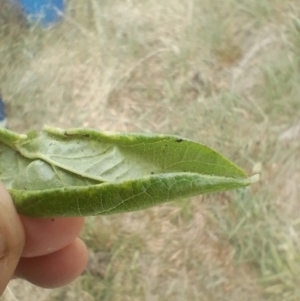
x: 223, y: 73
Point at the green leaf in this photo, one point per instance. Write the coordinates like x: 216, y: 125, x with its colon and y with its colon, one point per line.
x: 81, y: 172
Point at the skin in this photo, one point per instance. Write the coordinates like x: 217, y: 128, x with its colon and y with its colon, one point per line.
x: 45, y: 252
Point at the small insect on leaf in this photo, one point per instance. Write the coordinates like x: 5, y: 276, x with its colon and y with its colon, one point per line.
x: 80, y: 172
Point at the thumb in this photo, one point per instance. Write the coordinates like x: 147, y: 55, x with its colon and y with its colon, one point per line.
x: 12, y: 238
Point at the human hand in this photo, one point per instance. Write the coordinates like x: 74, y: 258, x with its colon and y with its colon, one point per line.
x: 45, y: 252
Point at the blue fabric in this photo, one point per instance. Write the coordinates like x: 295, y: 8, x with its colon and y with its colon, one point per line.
x: 2, y: 114
x: 43, y: 11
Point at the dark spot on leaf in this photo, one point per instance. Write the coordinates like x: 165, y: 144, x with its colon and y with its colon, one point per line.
x: 52, y: 219
x: 152, y: 172
x: 67, y: 134
x: 85, y: 135
x: 178, y: 140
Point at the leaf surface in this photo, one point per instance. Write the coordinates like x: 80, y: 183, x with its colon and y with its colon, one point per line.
x: 86, y: 172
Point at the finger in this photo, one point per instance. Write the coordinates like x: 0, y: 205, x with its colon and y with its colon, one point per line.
x: 55, y: 269
x: 46, y: 235
x: 12, y: 238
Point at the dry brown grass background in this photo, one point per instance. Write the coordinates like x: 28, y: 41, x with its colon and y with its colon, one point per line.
x: 224, y: 73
